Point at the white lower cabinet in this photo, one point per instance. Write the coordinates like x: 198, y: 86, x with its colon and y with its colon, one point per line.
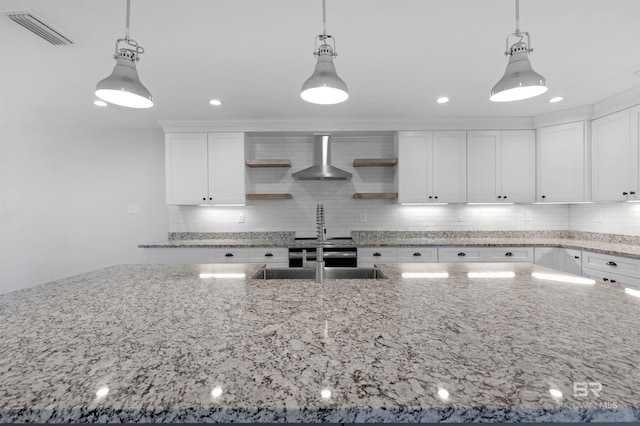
x: 180, y: 256
x: 485, y: 254
x: 274, y: 257
x: 622, y: 271
x: 460, y: 254
x: 369, y: 256
x: 561, y: 259
x: 417, y: 254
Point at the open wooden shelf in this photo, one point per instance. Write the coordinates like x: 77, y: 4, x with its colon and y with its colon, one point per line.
x: 376, y: 195
x: 375, y: 162
x: 269, y: 196
x: 268, y: 163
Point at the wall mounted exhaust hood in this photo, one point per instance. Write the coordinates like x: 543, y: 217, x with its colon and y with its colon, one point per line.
x: 322, y: 168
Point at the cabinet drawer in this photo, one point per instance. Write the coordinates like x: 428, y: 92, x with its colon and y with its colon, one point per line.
x: 183, y: 256
x: 460, y: 254
x: 612, y: 278
x: 269, y: 255
x: 417, y: 254
x: 230, y: 255
x: 368, y: 256
x: 509, y: 254
x: 613, y: 264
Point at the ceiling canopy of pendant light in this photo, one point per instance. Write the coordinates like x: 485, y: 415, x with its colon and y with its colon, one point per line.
x: 324, y: 86
x: 123, y: 86
x: 519, y: 81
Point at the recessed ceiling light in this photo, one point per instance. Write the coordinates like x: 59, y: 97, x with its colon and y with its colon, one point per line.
x: 215, y: 102
x: 442, y: 100
x: 100, y: 103
x: 556, y: 99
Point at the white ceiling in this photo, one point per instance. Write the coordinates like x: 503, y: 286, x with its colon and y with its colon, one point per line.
x: 396, y: 56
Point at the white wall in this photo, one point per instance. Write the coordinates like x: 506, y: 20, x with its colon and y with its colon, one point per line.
x: 343, y: 212
x: 63, y: 200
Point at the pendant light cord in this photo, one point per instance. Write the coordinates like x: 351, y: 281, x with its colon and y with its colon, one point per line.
x: 517, y: 16
x: 128, y: 15
x: 324, y: 18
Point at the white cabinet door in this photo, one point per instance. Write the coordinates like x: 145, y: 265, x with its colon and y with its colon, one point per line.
x: 205, y: 168
x: 412, y: 170
x: 369, y: 256
x: 508, y: 254
x: 561, y: 155
x: 448, y: 164
x: 227, y: 169
x: 501, y: 166
x: 417, y: 254
x: 571, y: 261
x: 614, y: 157
x: 635, y: 143
x: 460, y: 254
x: 518, y: 161
x: 561, y: 259
x: 484, y: 169
x: 431, y: 167
x: 186, y: 168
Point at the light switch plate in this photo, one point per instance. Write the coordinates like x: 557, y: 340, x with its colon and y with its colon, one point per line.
x: 133, y: 208
x: 459, y: 216
x: 528, y: 217
x: 598, y: 218
x: 363, y: 217
x: 240, y: 217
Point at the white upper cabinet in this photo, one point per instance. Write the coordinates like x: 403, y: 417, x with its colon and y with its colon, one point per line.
x: 205, y: 168
x: 501, y: 166
x: 561, y: 163
x: 431, y: 167
x: 615, y: 156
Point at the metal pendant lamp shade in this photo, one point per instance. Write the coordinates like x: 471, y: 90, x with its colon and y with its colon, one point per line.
x: 324, y: 86
x: 519, y: 81
x: 123, y: 87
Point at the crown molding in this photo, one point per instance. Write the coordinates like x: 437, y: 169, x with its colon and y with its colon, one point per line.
x: 604, y: 107
x: 386, y: 126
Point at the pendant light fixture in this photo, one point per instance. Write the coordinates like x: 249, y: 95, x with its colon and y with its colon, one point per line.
x: 519, y: 81
x: 123, y: 86
x: 324, y: 86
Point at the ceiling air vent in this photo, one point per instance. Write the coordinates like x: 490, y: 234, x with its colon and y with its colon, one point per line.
x: 39, y: 27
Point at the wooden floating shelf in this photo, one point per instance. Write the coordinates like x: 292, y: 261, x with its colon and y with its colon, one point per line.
x: 375, y: 162
x: 268, y: 163
x: 376, y: 195
x: 269, y: 196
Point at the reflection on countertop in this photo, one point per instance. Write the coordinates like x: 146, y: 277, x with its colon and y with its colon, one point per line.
x: 192, y: 343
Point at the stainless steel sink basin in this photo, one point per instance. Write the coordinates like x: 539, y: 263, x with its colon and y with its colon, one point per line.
x: 310, y: 274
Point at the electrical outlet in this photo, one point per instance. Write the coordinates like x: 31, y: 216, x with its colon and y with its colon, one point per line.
x: 240, y: 217
x: 459, y: 216
x: 528, y: 217
x: 133, y: 208
x: 599, y: 218
x: 363, y: 217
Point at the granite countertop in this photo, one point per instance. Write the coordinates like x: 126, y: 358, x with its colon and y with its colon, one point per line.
x: 172, y: 343
x: 616, y: 245
x: 617, y: 249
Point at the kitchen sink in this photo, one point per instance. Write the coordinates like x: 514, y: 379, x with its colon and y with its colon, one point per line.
x: 310, y: 274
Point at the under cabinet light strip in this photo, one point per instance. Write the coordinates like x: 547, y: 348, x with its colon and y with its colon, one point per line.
x: 39, y: 27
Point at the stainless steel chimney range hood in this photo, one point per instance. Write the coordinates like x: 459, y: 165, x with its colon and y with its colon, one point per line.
x: 322, y: 168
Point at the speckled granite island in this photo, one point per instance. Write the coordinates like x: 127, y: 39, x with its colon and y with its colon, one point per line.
x: 192, y: 343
